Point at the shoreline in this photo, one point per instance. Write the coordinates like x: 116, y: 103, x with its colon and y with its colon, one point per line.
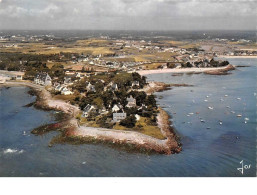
x: 183, y: 70
x: 73, y: 131
x: 224, y: 56
x: 170, y: 145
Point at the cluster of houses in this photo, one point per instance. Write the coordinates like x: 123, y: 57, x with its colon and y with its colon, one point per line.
x: 45, y: 80
x: 63, y: 89
x: 10, y: 75
x: 117, y: 110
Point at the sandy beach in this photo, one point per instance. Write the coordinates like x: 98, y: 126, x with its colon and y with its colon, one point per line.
x: 181, y: 70
x: 222, y: 56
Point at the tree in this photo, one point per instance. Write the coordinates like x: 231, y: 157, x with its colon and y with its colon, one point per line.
x: 171, y: 65
x: 224, y: 63
x: 129, y: 122
x: 150, y: 101
x: 189, y: 65
x: 98, y: 102
x: 214, y: 63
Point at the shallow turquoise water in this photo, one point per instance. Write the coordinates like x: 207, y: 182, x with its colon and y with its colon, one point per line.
x: 216, y: 151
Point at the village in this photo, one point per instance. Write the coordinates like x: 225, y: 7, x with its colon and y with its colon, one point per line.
x: 101, y: 75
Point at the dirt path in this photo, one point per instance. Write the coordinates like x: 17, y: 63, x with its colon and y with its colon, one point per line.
x: 167, y: 146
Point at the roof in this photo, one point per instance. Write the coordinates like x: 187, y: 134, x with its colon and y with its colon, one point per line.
x: 89, y: 107
x: 131, y: 99
x: 119, y: 114
x: 43, y: 76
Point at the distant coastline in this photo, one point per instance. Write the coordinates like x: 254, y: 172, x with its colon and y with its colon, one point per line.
x: 185, y: 70
x: 224, y: 56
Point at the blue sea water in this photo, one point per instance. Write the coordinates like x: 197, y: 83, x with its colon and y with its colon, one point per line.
x: 211, y: 148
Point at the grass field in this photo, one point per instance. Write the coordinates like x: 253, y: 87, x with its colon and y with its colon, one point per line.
x: 40, y: 48
x: 142, y: 126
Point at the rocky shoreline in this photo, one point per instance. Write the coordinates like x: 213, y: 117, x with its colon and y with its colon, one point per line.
x: 224, y: 71
x: 153, y: 87
x: 71, y: 132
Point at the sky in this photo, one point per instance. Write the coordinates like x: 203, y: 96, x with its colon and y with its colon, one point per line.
x: 128, y: 14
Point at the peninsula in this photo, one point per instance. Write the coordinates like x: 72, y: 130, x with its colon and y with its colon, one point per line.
x: 100, y: 85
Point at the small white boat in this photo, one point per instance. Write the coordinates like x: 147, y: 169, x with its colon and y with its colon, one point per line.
x: 247, y: 119
x: 238, y: 98
x: 191, y: 113
x: 225, y: 95
x: 220, y: 123
x: 211, y: 108
x: 207, y: 96
x: 206, y: 100
x: 239, y: 115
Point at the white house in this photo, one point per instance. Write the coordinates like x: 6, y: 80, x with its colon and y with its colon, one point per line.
x: 137, y: 117
x: 66, y: 91
x: 117, y: 117
x: 2, y: 80
x: 135, y: 83
x: 43, y: 79
x: 116, y: 107
x: 59, y: 87
x: 89, y: 108
x: 114, y: 87
x: 131, y: 102
x: 90, y: 87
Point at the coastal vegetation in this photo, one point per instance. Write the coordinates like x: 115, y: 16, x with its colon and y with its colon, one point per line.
x: 98, y: 83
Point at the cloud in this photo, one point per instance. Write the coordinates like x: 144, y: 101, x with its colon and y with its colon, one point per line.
x: 127, y: 14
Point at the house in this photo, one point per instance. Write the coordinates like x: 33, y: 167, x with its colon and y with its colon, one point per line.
x: 90, y: 87
x: 135, y: 83
x: 103, y: 110
x: 68, y: 80
x: 116, y: 107
x: 88, y: 109
x: 137, y: 117
x: 12, y: 75
x: 66, y: 91
x: 114, y: 87
x: 117, y: 117
x: 19, y: 77
x: 43, y: 79
x: 2, y: 80
x: 58, y: 87
x: 131, y: 102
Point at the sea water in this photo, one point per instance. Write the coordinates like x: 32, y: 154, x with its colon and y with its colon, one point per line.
x: 215, y: 141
